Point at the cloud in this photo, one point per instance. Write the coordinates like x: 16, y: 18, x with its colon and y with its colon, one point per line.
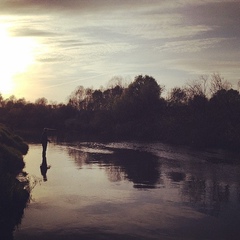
x: 190, y: 46
x: 222, y: 16
x: 30, y: 32
x: 72, y: 5
x: 206, y: 7
x: 200, y: 66
x: 147, y: 19
x: 79, y: 39
x: 84, y: 53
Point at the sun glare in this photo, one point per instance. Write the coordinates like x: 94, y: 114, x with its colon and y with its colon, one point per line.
x: 16, y: 55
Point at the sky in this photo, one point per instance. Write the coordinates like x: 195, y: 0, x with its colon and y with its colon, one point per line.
x: 50, y: 47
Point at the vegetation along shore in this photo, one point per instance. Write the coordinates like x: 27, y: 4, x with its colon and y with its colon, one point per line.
x: 14, y: 184
x: 203, y: 113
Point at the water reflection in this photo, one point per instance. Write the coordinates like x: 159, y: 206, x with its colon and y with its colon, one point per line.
x: 185, y: 196
x: 141, y: 168
x: 177, y: 176
x: 206, y: 196
x: 204, y: 186
x: 44, y: 167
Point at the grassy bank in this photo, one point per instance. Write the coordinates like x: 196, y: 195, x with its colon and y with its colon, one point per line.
x: 14, y: 194
x: 12, y: 149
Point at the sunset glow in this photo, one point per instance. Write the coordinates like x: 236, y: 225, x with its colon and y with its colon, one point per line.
x: 17, y: 54
x: 48, y: 48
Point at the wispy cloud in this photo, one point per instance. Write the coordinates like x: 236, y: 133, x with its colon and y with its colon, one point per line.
x: 191, y: 46
x: 93, y: 40
x: 30, y: 32
x: 72, y: 5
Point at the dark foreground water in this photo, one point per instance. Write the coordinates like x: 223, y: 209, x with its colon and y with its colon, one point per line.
x: 131, y: 191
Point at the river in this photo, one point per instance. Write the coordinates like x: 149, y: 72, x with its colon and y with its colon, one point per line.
x: 131, y: 191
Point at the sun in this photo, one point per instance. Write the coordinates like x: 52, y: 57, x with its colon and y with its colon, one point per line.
x: 16, y: 56
x: 6, y: 87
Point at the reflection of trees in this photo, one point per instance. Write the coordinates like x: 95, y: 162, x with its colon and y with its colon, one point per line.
x: 141, y: 168
x: 115, y: 173
x: 195, y: 190
x: 207, y: 196
x: 79, y: 156
x: 176, y: 176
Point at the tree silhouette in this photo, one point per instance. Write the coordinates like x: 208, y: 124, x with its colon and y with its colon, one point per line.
x: 205, y: 112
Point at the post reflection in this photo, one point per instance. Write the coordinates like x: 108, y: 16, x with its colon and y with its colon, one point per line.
x: 44, y: 168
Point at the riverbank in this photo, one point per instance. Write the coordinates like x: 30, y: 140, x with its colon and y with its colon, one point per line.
x: 14, y: 194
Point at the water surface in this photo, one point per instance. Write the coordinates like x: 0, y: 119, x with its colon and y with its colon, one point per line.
x: 131, y: 191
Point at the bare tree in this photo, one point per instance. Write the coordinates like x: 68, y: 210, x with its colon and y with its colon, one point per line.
x: 177, y: 97
x: 238, y: 84
x: 198, y: 87
x: 118, y: 81
x: 1, y: 100
x: 218, y: 83
x: 77, y: 97
x: 41, y: 101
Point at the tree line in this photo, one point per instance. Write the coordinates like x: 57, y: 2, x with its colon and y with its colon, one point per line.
x: 203, y: 113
